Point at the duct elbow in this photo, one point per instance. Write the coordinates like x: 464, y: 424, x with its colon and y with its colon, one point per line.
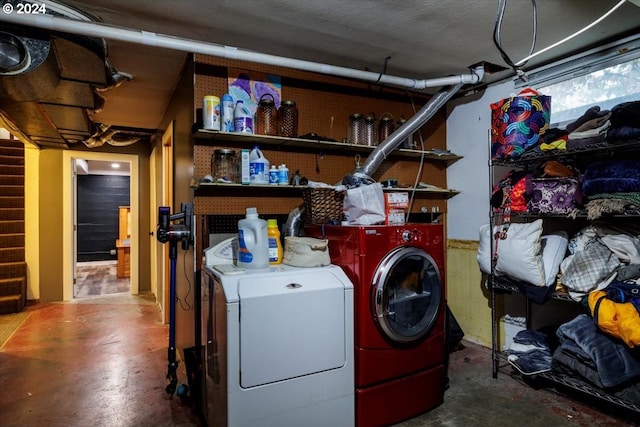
x: 478, y: 73
x: 474, y: 76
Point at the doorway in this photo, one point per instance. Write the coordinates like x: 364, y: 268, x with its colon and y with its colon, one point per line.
x: 103, y: 234
x: 104, y: 272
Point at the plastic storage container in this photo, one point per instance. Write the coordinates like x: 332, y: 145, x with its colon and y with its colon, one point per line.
x: 258, y: 167
x: 211, y: 112
x: 275, y: 245
x: 253, y: 242
x: 242, y: 118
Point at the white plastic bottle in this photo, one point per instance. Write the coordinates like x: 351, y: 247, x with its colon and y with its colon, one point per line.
x: 242, y: 118
x: 253, y: 241
x: 227, y: 113
x: 273, y: 175
x: 258, y: 167
x: 283, y: 175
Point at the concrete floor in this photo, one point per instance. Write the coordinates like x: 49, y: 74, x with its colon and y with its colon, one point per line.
x: 102, y: 362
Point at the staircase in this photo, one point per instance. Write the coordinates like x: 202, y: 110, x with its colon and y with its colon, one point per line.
x: 13, y: 268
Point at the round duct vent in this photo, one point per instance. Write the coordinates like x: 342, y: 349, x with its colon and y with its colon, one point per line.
x: 14, y: 56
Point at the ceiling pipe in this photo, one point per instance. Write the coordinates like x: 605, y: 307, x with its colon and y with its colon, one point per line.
x: 94, y: 29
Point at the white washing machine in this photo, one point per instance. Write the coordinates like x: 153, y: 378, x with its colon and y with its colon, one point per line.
x: 278, y: 347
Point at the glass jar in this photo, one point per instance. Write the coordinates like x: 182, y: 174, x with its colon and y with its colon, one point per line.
x: 288, y: 119
x: 355, y: 129
x: 385, y: 127
x: 223, y: 165
x: 370, y: 130
x: 266, y: 116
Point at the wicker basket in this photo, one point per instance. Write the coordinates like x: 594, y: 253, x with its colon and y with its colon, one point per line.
x: 323, y: 205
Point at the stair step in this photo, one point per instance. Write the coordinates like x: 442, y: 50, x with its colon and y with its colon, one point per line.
x: 12, y: 286
x: 17, y: 159
x: 11, y: 190
x: 13, y: 240
x: 11, y: 170
x: 12, y: 180
x: 11, y: 304
x: 11, y: 151
x: 11, y: 202
x: 11, y: 143
x: 11, y: 270
x: 12, y: 254
x: 11, y: 226
x: 11, y: 214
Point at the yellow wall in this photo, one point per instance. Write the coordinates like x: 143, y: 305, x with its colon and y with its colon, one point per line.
x: 31, y: 220
x: 51, y: 224
x: 466, y: 296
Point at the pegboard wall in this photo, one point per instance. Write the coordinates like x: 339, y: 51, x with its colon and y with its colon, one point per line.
x: 324, y: 104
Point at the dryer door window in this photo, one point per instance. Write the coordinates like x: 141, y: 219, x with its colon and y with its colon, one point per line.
x: 407, y: 291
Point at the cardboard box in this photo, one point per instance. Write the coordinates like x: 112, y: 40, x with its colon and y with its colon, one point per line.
x: 394, y: 217
x: 398, y: 199
x: 396, y: 204
x: 245, y: 178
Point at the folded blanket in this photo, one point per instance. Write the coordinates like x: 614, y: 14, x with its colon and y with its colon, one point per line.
x: 590, y: 114
x: 611, y: 176
x: 625, y: 114
x: 614, y: 363
x: 621, y: 134
x: 529, y: 353
x: 590, y: 132
x: 612, y: 203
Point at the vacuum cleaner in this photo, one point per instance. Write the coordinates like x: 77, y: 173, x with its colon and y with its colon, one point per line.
x: 173, y: 233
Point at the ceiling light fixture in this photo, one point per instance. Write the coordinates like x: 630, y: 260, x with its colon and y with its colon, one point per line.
x: 115, y: 165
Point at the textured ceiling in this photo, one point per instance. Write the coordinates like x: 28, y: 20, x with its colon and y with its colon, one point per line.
x: 421, y: 38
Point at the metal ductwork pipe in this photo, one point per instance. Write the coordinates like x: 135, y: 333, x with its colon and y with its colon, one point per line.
x: 394, y: 140
x: 28, y: 67
x: 382, y: 151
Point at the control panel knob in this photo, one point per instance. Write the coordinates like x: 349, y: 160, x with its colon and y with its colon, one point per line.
x: 407, y: 236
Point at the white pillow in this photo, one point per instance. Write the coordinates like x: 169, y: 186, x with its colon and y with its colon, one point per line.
x: 519, y: 255
x: 554, y: 248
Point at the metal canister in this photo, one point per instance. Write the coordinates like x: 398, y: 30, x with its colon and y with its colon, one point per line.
x: 288, y: 119
x: 223, y: 165
x: 355, y: 129
x: 266, y: 116
x: 370, y: 130
x: 385, y: 127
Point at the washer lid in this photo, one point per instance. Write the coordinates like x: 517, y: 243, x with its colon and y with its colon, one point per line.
x: 407, y: 293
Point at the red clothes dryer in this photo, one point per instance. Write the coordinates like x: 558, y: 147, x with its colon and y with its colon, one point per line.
x: 399, y: 297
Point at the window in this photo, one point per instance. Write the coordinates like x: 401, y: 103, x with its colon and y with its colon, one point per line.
x: 604, y: 77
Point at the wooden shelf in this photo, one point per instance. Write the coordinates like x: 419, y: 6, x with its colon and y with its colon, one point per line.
x: 204, y: 136
x: 221, y: 189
